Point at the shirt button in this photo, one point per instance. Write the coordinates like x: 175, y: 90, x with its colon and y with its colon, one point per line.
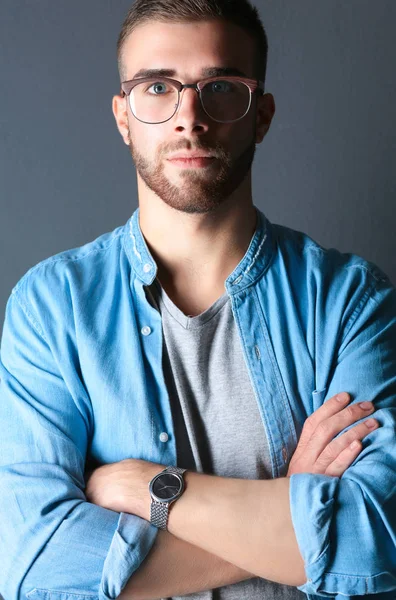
x: 146, y: 330
x: 164, y: 437
x: 147, y: 268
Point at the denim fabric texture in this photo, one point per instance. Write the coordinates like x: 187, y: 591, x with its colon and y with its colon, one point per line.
x: 81, y: 380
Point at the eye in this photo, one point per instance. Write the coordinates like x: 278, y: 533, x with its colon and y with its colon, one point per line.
x: 158, y: 88
x: 220, y: 86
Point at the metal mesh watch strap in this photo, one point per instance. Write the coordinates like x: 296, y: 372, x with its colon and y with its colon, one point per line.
x: 159, y: 514
x: 159, y: 510
x: 177, y: 470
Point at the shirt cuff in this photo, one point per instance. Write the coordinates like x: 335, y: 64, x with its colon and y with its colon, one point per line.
x: 312, y: 506
x: 130, y: 545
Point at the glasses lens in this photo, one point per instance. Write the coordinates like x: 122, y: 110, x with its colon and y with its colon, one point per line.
x: 225, y: 100
x: 154, y: 101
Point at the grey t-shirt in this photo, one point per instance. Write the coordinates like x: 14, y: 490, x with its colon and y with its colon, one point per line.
x: 217, y: 420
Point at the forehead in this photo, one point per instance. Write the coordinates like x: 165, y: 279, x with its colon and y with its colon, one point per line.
x: 188, y: 48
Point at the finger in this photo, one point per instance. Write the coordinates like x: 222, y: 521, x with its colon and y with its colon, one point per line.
x: 338, y: 445
x: 344, y: 419
x: 329, y: 408
x: 329, y: 429
x: 344, y: 459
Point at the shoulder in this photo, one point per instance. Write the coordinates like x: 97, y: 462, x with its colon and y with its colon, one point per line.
x: 336, y: 289
x: 63, y: 280
x: 326, y: 264
x: 79, y: 257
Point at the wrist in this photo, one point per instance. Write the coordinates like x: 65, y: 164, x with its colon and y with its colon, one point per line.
x: 139, y: 502
x: 165, y: 490
x: 123, y: 486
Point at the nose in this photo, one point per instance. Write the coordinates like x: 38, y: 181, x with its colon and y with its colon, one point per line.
x: 190, y: 116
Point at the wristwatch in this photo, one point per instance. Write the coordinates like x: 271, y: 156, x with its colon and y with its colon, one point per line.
x: 165, y: 488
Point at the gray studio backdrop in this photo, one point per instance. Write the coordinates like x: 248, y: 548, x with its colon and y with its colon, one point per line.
x: 327, y: 166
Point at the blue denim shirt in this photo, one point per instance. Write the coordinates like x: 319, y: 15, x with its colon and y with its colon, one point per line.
x: 81, y: 379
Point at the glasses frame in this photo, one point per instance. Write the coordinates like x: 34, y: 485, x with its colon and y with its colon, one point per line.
x: 254, y: 85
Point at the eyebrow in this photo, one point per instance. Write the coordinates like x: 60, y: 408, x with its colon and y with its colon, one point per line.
x: 206, y: 72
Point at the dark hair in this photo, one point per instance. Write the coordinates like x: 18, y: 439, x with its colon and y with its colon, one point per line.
x: 239, y: 12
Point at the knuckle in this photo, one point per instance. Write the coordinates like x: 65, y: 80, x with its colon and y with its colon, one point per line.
x: 355, y: 433
x: 309, y: 421
x: 335, y: 470
x: 342, y: 462
x: 309, y: 426
x: 321, y: 430
x: 330, y: 453
x: 358, y: 432
x: 339, y: 463
x: 350, y: 412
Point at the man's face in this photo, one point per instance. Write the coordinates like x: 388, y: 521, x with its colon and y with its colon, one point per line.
x: 188, y: 49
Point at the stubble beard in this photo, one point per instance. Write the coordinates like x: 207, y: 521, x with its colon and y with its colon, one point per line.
x: 200, y: 192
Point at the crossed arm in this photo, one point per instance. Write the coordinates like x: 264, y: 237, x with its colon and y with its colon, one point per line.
x: 43, y: 446
x: 215, y: 529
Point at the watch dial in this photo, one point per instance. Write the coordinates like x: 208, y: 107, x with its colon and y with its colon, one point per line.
x: 166, y: 486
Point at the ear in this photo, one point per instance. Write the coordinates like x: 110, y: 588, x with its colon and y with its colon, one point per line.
x: 120, y: 111
x: 264, y: 116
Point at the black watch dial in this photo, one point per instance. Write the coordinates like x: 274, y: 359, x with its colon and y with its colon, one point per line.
x: 167, y: 486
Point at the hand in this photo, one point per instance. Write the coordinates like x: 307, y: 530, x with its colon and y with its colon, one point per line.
x: 123, y: 486
x: 318, y: 451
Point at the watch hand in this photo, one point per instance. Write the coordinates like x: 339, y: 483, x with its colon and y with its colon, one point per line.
x: 168, y: 486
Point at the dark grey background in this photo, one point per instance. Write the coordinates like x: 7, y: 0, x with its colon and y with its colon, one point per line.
x: 327, y: 166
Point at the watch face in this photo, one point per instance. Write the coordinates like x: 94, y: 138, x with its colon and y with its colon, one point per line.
x: 167, y: 486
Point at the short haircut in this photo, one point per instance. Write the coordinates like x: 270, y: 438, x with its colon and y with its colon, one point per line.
x: 239, y: 12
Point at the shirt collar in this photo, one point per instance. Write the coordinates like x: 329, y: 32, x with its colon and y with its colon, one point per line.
x: 252, y: 266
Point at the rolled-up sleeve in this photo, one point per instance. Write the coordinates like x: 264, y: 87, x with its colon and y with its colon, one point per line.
x: 53, y: 543
x: 346, y: 527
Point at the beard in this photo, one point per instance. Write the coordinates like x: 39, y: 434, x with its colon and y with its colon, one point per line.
x: 199, y: 192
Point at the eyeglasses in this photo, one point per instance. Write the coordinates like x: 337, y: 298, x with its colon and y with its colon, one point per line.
x: 155, y: 100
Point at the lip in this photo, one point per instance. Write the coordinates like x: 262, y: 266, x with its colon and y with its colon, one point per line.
x: 190, y: 155
x: 197, y: 162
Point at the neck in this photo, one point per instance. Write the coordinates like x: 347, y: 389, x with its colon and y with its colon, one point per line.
x: 197, y: 249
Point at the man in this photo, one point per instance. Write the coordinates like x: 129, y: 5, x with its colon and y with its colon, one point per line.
x: 198, y: 336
